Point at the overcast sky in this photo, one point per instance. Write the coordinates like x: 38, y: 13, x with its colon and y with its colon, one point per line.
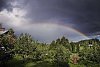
x: 47, y: 20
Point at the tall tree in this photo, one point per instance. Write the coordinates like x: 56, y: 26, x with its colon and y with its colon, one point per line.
x: 25, y: 46
x: 8, y: 39
x: 72, y: 46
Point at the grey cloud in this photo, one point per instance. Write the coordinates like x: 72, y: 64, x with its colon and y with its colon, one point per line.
x: 48, y: 32
x: 84, y: 14
x: 5, y: 4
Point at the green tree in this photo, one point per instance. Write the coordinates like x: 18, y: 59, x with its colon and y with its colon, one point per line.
x: 53, y: 45
x: 72, y: 46
x: 65, y: 42
x: 62, y: 55
x: 25, y: 46
x: 41, y: 52
x: 8, y: 39
x: 90, y: 57
x: 77, y: 47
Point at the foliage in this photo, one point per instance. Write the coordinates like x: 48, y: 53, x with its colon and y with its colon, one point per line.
x: 6, y: 46
x: 62, y: 55
x: 24, y: 49
x: 90, y: 57
x: 72, y: 47
x: 8, y: 39
x: 24, y: 45
x: 59, y: 54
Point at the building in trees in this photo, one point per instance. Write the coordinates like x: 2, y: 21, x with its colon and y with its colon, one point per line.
x: 2, y: 30
x: 7, y: 37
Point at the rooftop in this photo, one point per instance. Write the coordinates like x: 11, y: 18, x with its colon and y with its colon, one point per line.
x: 2, y: 30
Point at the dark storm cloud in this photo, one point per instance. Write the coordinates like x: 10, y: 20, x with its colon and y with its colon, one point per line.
x: 5, y: 4
x: 42, y: 17
x: 85, y: 14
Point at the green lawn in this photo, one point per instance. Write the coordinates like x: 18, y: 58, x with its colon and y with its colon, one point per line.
x: 75, y: 65
x: 18, y: 62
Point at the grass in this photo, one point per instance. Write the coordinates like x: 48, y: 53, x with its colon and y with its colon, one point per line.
x: 76, y: 65
x: 18, y: 62
x: 39, y: 64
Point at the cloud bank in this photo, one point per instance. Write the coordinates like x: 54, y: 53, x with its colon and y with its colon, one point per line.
x: 45, y: 19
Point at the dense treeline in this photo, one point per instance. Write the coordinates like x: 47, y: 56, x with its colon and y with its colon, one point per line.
x: 59, y: 53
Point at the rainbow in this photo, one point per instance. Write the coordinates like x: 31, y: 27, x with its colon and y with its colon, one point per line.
x: 82, y: 35
x: 75, y: 30
x: 67, y: 28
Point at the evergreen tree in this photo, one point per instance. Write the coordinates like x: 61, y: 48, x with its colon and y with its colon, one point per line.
x: 25, y: 46
x: 72, y: 46
x: 77, y: 47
